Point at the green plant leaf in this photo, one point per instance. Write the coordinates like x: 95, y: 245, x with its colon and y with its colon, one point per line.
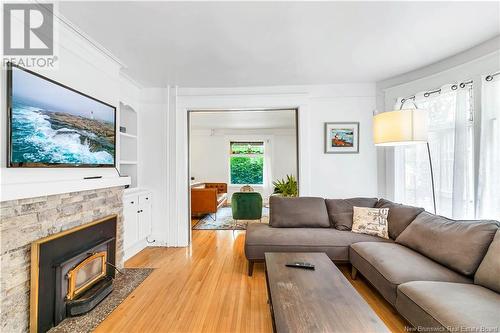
x: 287, y: 188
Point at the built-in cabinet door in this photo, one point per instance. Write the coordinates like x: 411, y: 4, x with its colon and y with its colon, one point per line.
x: 144, y: 221
x: 137, y: 222
x: 131, y: 228
x: 145, y: 199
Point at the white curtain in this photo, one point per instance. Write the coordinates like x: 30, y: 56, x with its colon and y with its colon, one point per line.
x: 268, y: 169
x: 462, y: 205
x: 488, y: 204
x: 451, y: 145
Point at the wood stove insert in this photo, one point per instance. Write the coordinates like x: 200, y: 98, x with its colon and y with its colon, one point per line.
x: 71, y: 272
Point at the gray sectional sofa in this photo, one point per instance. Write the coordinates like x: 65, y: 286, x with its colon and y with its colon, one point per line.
x: 439, y: 274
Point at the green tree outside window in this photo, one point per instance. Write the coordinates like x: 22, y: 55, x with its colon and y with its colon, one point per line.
x: 247, y: 163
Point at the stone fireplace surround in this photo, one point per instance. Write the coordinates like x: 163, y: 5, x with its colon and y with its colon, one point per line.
x: 26, y: 220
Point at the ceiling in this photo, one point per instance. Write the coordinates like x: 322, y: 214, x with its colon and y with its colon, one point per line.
x: 220, y: 44
x: 282, y: 119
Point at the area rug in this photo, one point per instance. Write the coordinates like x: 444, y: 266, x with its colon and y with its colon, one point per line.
x: 123, y: 285
x: 224, y: 220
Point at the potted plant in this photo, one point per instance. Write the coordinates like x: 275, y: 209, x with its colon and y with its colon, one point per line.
x: 286, y: 187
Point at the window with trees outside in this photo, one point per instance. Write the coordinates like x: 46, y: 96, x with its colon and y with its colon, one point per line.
x: 246, y: 160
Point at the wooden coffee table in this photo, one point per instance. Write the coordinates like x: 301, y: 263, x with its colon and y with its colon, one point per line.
x: 320, y: 300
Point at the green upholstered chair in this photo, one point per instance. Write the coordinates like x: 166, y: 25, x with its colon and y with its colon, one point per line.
x: 246, y: 206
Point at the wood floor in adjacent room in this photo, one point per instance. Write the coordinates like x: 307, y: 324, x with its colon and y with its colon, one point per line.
x: 205, y: 288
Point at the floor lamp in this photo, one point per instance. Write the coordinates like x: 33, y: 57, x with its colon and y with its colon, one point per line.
x: 403, y: 127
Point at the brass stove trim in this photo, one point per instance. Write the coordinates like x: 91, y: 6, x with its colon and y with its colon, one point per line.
x: 73, y: 291
x: 35, y: 262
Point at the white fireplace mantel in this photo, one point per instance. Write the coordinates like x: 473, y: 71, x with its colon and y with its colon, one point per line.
x: 14, y: 191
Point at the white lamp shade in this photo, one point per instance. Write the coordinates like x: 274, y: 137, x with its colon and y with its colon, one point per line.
x: 400, y: 127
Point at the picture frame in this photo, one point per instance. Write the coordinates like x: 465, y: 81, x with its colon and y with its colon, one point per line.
x: 341, y: 138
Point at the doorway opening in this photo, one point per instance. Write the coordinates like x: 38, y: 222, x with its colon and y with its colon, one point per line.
x: 237, y: 160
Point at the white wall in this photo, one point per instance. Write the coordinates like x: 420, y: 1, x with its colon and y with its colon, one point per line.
x: 343, y: 175
x: 325, y: 175
x: 284, y: 154
x: 85, y: 68
x: 472, y: 64
x: 210, y: 153
x: 152, y: 157
x: 208, y: 157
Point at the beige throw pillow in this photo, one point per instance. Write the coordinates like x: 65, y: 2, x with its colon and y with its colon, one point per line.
x: 370, y: 221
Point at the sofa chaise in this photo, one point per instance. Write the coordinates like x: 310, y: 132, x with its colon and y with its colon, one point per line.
x: 438, y: 273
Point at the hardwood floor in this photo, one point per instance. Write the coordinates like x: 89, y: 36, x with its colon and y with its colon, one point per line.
x: 382, y: 308
x: 194, y: 221
x: 205, y: 288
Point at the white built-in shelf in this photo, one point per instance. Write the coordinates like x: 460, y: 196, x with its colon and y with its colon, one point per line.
x: 128, y: 119
x: 128, y: 162
x: 128, y: 108
x: 129, y: 144
x: 127, y: 135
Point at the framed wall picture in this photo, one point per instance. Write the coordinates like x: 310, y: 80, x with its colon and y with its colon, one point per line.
x: 342, y: 138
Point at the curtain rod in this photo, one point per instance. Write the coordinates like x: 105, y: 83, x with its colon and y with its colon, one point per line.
x: 437, y: 91
x: 491, y: 76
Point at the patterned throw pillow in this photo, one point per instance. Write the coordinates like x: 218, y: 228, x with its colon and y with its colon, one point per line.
x: 370, y: 221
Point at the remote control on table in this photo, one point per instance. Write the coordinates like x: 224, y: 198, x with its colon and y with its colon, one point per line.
x: 304, y: 265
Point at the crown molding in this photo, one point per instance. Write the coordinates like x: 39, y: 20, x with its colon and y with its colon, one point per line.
x: 80, y: 33
x: 130, y: 79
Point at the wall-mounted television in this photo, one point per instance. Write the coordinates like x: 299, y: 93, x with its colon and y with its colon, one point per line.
x: 52, y: 125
